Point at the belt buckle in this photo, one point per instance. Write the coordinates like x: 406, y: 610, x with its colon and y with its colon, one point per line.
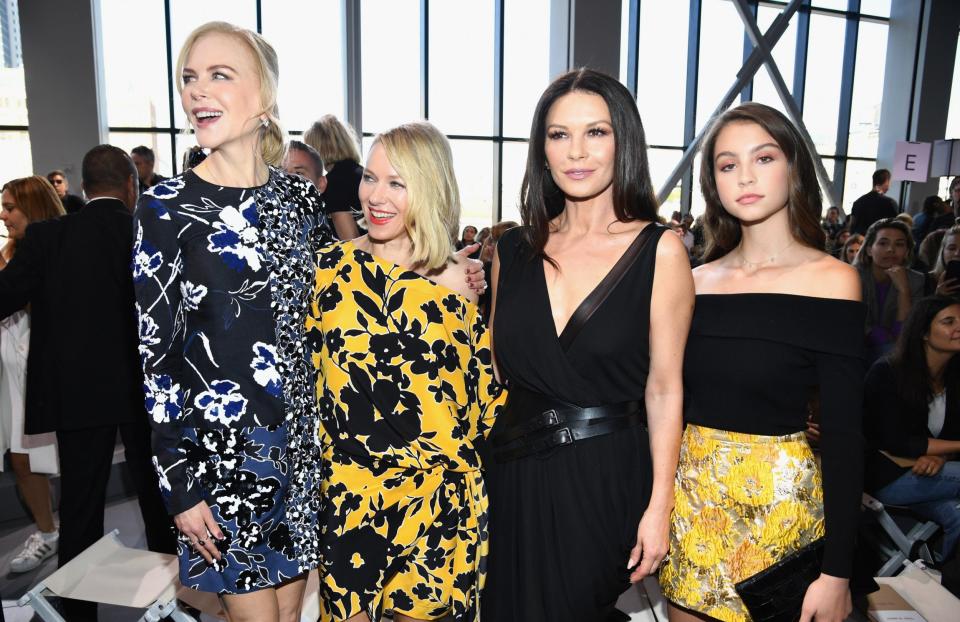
x: 562, y: 437
x: 548, y: 418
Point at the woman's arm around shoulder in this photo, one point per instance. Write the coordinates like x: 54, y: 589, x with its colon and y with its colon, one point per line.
x: 454, y: 277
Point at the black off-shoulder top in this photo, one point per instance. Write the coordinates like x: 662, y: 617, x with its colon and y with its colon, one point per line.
x: 752, y: 363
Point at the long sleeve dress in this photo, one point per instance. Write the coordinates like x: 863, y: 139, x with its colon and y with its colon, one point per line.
x: 405, y: 390
x: 223, y: 279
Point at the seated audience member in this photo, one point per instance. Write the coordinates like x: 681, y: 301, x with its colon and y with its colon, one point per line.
x: 832, y: 226
x: 912, y: 419
x: 338, y: 146
x: 71, y: 202
x: 905, y: 218
x: 32, y: 456
x: 933, y: 206
x: 144, y: 159
x: 84, y: 378
x: 851, y: 247
x: 951, y: 208
x: 888, y: 285
x: 467, y: 237
x: 487, y: 252
x: 928, y: 250
x: 303, y: 160
x: 193, y: 157
x: 949, y: 248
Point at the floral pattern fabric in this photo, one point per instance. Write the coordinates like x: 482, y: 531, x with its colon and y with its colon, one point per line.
x: 223, y: 278
x: 405, y: 388
x: 742, y: 502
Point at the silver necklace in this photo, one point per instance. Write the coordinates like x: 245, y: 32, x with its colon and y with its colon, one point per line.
x: 744, y: 262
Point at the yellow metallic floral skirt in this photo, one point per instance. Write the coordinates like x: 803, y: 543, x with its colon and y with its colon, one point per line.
x: 743, y: 502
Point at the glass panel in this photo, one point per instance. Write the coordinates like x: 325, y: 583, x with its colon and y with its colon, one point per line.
x: 830, y: 164
x: 875, y: 7
x: 15, y: 157
x: 311, y: 61
x: 662, y: 162
x: 514, y: 165
x: 953, y: 114
x: 857, y: 182
x: 135, y: 64
x: 390, y: 58
x: 867, y: 90
x: 663, y: 24
x: 821, y: 109
x: 839, y: 5
x: 160, y: 143
x: 186, y: 15
x: 473, y: 165
x: 721, y: 55
x: 461, y: 67
x: 526, y: 62
x: 13, y: 97
x: 784, y: 53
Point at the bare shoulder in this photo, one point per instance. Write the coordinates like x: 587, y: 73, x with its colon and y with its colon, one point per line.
x: 670, y: 246
x: 706, y: 276
x: 829, y: 277
x: 454, y: 278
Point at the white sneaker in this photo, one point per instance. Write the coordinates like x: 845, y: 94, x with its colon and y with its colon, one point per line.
x: 36, y: 549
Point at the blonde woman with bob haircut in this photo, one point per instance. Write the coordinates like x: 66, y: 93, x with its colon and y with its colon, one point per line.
x: 223, y: 257
x: 337, y: 144
x: 405, y: 390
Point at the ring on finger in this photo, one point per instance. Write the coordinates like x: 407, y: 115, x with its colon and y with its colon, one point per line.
x: 201, y: 542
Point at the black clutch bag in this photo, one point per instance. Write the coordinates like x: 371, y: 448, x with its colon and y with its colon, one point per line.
x: 776, y: 593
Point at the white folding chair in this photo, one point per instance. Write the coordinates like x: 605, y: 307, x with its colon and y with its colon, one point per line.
x: 899, y: 546
x: 111, y: 573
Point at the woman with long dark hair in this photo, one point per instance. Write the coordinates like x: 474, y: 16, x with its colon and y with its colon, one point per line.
x: 591, y: 309
x: 775, y: 316
x: 912, y: 412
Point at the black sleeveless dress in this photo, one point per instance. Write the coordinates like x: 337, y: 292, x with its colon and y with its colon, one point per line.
x: 562, y: 523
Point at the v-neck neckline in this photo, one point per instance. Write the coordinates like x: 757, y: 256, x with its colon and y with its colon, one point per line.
x: 613, y: 270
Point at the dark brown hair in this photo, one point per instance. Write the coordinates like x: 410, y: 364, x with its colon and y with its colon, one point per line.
x: 804, y: 204
x: 863, y: 255
x: 541, y: 200
x: 909, y: 357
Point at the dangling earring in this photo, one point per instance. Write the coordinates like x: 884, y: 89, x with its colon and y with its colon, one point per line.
x: 265, y: 122
x: 546, y: 166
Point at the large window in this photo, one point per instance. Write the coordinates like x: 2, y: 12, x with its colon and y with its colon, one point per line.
x: 15, y: 157
x: 830, y: 57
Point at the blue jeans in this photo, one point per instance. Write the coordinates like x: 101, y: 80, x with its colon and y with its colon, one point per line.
x: 936, y: 498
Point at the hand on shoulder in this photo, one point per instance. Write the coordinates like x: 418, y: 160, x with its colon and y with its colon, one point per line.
x: 454, y: 277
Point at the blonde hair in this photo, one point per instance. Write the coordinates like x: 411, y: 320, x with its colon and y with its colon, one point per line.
x: 333, y: 139
x: 421, y: 155
x: 268, y: 70
x: 953, y: 231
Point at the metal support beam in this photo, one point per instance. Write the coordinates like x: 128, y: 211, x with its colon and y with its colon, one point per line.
x: 780, y: 86
x: 352, y: 64
x: 800, y: 65
x: 773, y: 34
x: 846, y: 102
x: 498, y: 27
x: 689, y: 113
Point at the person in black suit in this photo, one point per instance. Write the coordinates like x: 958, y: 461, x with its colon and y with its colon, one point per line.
x: 84, y: 378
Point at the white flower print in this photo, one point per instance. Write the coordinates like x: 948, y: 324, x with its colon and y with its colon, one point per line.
x: 148, y: 334
x: 146, y: 258
x: 163, y: 398
x: 222, y: 403
x: 167, y: 189
x: 161, y: 475
x: 235, y: 239
x: 192, y: 295
x: 264, y: 367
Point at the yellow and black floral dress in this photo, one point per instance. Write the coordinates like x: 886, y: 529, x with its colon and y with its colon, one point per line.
x: 404, y: 388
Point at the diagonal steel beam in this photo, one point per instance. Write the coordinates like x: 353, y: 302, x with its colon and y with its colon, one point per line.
x: 750, y: 22
x: 750, y: 67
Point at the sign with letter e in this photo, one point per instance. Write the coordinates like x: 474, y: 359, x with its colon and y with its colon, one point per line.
x: 911, y: 161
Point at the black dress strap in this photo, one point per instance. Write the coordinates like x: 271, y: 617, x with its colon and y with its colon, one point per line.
x: 592, y: 302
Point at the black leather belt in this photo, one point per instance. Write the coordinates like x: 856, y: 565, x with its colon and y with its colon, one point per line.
x: 532, y: 423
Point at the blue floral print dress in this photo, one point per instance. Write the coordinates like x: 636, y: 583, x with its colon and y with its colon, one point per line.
x: 223, y: 278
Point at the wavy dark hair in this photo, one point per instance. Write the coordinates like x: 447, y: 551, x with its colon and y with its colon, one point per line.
x: 909, y: 357
x: 804, y: 203
x: 541, y: 200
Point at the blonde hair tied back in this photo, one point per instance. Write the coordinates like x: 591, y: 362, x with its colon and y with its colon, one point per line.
x: 268, y: 69
x: 421, y: 155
